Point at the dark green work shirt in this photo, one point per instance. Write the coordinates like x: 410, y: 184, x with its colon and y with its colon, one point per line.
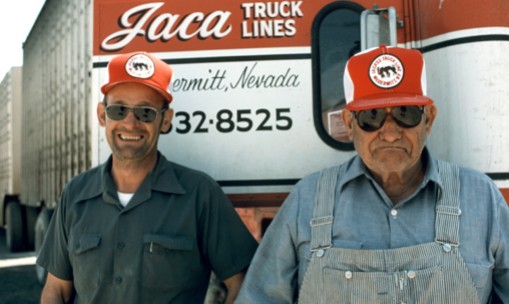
x: 160, y: 248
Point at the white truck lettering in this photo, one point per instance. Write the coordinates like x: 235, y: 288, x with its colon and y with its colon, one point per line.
x: 166, y: 26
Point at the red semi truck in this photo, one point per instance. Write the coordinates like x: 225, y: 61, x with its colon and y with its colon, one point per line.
x: 257, y: 90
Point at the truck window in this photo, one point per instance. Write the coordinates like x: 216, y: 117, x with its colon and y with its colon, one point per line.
x: 335, y: 38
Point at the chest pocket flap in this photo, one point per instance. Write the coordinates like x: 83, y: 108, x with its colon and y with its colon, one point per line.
x: 82, y: 243
x: 169, y: 242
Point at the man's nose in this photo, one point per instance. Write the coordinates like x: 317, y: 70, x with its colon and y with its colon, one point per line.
x: 390, y: 131
x: 131, y: 118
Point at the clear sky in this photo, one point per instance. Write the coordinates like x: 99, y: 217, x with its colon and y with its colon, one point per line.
x: 17, y: 19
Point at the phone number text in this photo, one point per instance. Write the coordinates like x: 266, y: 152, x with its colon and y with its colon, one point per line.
x: 226, y: 121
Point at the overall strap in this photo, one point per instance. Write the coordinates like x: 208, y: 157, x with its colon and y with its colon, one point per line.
x: 321, y: 224
x: 448, y: 211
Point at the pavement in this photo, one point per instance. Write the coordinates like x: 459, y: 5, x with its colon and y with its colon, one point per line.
x: 18, y: 282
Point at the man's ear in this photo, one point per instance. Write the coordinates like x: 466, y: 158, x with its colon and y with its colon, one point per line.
x: 348, y: 120
x: 431, y: 113
x: 101, y: 114
x: 166, y: 123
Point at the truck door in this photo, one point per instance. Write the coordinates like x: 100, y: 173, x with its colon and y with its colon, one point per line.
x: 340, y: 30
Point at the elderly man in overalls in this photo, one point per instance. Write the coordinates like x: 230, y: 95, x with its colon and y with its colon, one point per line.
x: 393, y: 224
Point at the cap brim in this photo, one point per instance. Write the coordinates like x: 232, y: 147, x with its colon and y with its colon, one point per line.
x: 167, y: 96
x: 382, y: 100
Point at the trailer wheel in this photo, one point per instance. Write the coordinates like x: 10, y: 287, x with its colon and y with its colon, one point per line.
x: 41, y: 226
x: 31, y: 219
x: 14, y: 225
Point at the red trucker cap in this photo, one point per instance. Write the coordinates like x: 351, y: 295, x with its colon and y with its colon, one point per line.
x: 385, y: 76
x: 140, y: 67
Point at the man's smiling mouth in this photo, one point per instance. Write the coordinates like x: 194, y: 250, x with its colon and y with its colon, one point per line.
x: 130, y: 137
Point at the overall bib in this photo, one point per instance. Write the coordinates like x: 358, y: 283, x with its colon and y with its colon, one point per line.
x: 426, y: 273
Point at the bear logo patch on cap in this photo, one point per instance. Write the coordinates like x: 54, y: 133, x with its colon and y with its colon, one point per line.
x: 386, y: 71
x: 140, y: 66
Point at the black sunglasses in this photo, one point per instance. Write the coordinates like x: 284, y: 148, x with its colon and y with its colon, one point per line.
x: 143, y: 114
x: 405, y: 116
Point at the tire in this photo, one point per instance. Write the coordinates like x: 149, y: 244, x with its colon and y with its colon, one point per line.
x: 14, y: 227
x: 41, y: 226
x: 31, y: 214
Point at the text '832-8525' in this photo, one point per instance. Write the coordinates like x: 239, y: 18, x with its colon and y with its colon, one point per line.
x: 226, y: 121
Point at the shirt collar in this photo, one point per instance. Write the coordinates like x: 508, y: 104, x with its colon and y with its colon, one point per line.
x: 164, y: 177
x: 356, y: 168
x: 99, y: 181
x: 431, y: 174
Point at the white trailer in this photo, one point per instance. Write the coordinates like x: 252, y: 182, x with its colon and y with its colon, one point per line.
x: 13, y: 216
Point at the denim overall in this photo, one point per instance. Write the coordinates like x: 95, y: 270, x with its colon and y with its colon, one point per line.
x: 426, y: 273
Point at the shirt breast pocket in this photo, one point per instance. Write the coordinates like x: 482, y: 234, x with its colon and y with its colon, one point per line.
x: 84, y: 256
x: 167, y: 261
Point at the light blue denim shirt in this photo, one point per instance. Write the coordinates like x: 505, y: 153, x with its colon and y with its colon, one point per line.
x: 365, y: 218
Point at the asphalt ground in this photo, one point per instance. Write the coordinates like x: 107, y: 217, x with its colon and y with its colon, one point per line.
x: 18, y: 282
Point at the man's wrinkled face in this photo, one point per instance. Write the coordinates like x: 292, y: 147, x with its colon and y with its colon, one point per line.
x: 391, y: 148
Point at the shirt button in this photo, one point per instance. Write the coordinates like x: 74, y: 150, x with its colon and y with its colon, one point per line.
x: 118, y: 280
x: 348, y: 275
x: 121, y: 245
x: 394, y: 212
x: 411, y: 275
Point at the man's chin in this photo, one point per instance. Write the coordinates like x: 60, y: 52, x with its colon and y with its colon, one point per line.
x: 130, y: 155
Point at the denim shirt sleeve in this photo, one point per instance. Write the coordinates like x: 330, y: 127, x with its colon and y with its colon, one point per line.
x: 501, y: 268
x: 272, y: 275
